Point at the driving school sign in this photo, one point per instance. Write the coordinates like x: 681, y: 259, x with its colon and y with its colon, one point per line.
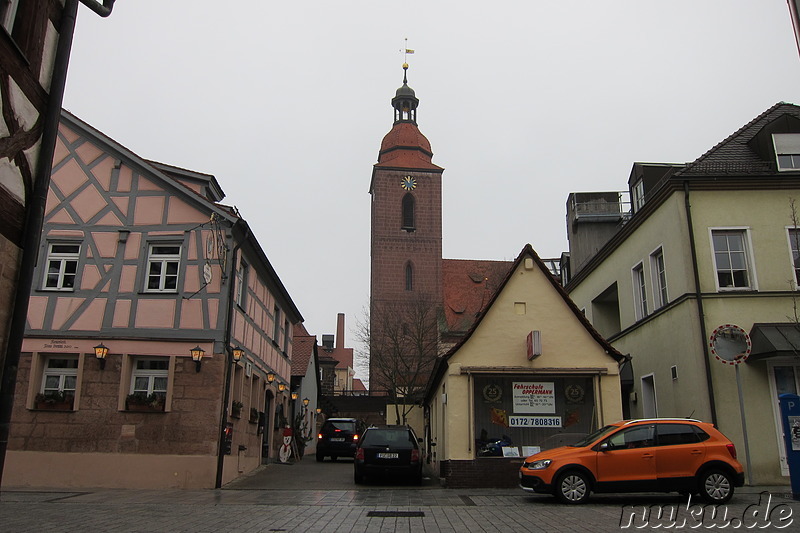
x: 534, y: 397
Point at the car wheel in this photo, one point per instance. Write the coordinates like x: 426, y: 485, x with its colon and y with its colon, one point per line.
x: 320, y: 457
x: 358, y: 477
x: 715, y: 486
x: 573, y: 487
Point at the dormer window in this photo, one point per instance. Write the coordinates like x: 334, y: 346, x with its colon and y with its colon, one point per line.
x: 787, y: 150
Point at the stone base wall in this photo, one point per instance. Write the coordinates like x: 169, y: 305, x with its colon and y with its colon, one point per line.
x: 108, y: 470
x: 9, y: 269
x: 489, y: 472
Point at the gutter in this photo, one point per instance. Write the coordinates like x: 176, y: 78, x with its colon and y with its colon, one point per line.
x: 699, y: 297
x: 223, y: 419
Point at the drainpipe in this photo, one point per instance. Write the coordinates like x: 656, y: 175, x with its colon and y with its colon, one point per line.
x: 699, y: 297
x: 103, y: 10
x: 228, y: 358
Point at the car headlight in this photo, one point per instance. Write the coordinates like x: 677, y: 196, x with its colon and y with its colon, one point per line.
x: 537, y: 465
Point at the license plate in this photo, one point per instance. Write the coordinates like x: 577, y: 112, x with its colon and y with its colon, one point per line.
x: 337, y: 439
x: 384, y: 455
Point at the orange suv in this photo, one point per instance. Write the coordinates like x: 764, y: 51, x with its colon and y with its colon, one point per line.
x: 653, y: 455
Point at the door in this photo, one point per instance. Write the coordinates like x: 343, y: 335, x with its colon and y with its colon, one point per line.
x: 629, y: 462
x: 649, y: 407
x: 679, y: 454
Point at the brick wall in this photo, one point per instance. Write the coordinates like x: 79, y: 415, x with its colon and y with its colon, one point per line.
x: 490, y: 472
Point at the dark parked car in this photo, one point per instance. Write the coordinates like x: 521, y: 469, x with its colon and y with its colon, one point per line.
x: 388, y: 451
x: 338, y: 437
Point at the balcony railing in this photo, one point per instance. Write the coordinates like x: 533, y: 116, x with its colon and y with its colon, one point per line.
x: 599, y: 206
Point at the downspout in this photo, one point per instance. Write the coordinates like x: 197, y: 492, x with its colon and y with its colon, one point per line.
x: 34, y: 217
x: 699, y: 297
x: 228, y: 359
x: 102, y: 10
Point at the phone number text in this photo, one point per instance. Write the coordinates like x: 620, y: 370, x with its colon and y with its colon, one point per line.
x: 534, y: 421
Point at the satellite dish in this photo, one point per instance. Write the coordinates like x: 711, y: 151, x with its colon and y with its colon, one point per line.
x: 730, y: 344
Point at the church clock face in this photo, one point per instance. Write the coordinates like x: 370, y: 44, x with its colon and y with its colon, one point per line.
x: 408, y: 183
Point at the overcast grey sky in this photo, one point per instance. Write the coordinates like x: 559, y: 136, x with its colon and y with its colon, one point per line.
x: 523, y: 101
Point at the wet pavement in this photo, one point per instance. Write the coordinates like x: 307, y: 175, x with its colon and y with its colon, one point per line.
x: 314, y: 497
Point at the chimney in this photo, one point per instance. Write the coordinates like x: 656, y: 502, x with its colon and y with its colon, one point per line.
x: 340, y: 331
x: 327, y: 342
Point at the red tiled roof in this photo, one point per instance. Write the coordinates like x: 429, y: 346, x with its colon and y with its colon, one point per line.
x: 302, y: 349
x: 467, y: 286
x: 358, y: 384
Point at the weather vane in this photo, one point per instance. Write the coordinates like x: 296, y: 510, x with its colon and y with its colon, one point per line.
x: 406, y: 50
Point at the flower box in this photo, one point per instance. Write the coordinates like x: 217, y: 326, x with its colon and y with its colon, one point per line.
x: 54, y: 401
x: 236, y: 409
x: 141, y: 402
x: 54, y: 406
x: 253, y: 415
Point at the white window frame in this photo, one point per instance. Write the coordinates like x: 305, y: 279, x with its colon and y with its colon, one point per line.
x: 9, y: 14
x: 750, y: 265
x: 151, y: 375
x: 794, y: 262
x: 638, y: 195
x: 658, y: 275
x: 61, y: 260
x: 61, y: 373
x: 241, y: 283
x: 163, y: 260
x: 639, y: 290
x: 276, y: 326
x: 787, y: 150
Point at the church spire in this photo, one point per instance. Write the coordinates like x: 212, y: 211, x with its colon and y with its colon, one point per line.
x: 405, y: 102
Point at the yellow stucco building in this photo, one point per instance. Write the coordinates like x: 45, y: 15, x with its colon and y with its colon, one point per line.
x: 531, y: 373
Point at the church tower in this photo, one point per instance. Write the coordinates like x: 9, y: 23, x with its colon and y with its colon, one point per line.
x: 406, y: 236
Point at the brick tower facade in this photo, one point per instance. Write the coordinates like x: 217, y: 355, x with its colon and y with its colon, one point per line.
x: 406, y: 237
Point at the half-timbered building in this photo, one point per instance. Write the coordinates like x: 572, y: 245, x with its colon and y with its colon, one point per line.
x: 159, y: 338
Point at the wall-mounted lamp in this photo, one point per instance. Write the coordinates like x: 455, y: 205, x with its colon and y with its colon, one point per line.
x: 237, y: 354
x: 270, y: 377
x: 197, y: 356
x: 305, y: 402
x: 294, y: 395
x: 318, y: 410
x: 281, y: 387
x: 101, y: 351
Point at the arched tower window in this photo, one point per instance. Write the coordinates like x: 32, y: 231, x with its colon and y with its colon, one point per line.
x: 408, y: 213
x: 409, y: 277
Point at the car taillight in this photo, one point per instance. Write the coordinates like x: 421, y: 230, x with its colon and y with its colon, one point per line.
x: 319, y: 435
x: 731, y: 450
x: 414, y: 456
x: 360, y: 454
x: 355, y: 437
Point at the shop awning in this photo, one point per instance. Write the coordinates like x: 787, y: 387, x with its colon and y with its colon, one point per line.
x: 774, y: 340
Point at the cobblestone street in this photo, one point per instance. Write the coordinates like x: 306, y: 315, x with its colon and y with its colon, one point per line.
x: 270, y: 500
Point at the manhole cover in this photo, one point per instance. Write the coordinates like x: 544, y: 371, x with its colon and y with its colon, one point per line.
x: 395, y: 514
